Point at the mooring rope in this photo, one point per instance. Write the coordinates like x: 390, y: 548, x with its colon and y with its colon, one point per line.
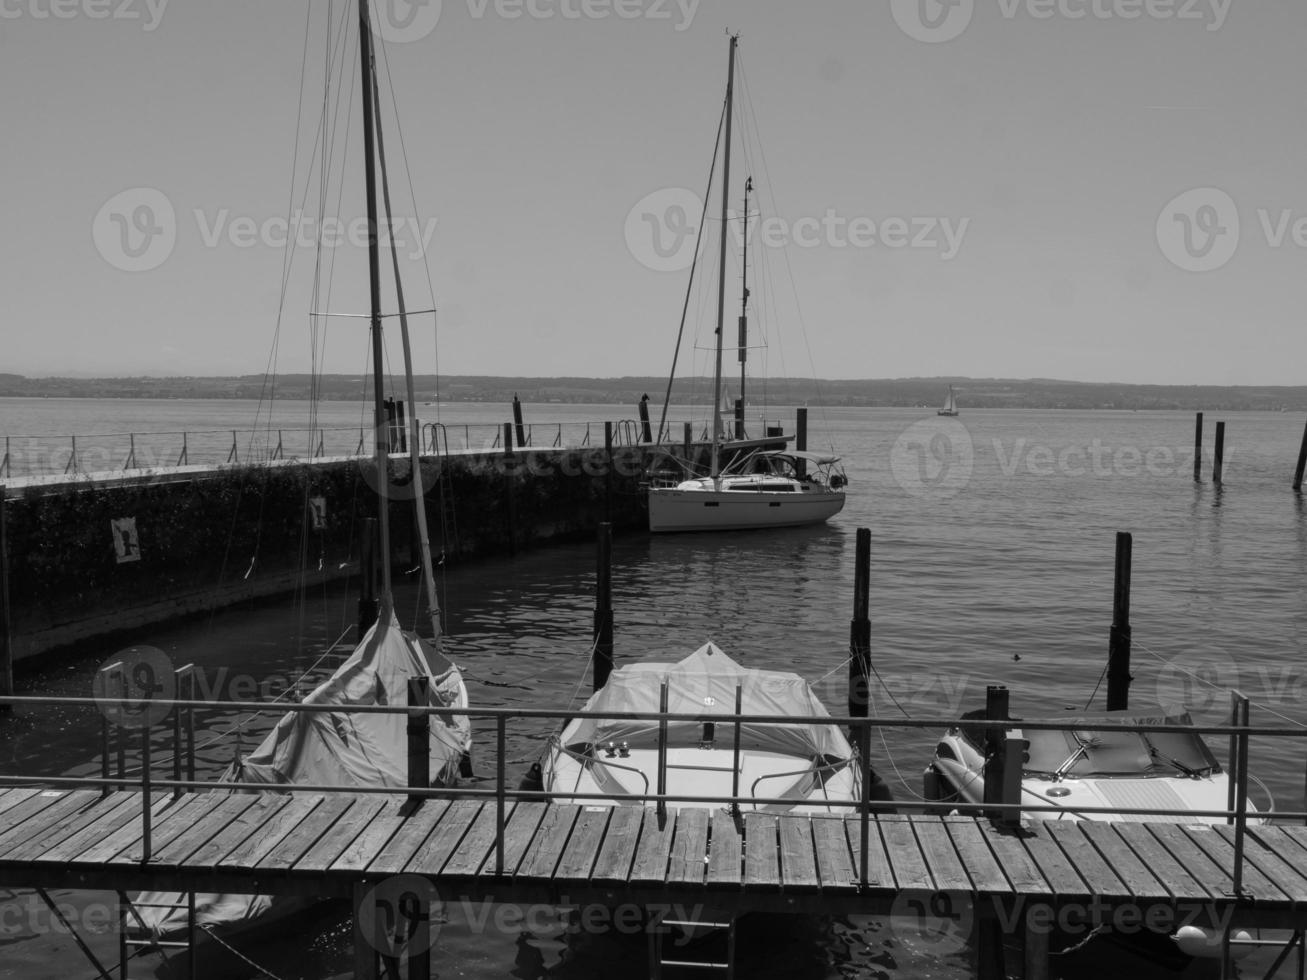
x: 236, y: 952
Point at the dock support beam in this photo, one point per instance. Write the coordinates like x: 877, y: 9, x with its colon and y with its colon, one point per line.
x: 1302, y: 463
x: 1118, y: 644
x: 603, y: 618
x: 1198, y: 448
x: 1218, y: 458
x: 860, y: 628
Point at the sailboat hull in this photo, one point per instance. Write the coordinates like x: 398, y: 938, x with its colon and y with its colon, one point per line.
x: 674, y: 509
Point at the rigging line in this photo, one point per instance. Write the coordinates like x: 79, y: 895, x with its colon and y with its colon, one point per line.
x: 871, y: 665
x: 671, y: 376
x: 1094, y: 693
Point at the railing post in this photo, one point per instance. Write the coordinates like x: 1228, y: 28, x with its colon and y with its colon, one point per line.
x: 603, y: 614
x: 501, y: 722
x: 662, y: 756
x: 1241, y: 800
x: 735, y: 760
x: 860, y: 626
x: 864, y: 767
x: 146, y: 801
x: 419, y: 739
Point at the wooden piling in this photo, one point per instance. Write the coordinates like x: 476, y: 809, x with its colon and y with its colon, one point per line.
x: 1037, y: 918
x: 1302, y: 463
x: 860, y: 627
x: 603, y: 617
x: 688, y: 438
x: 1118, y: 644
x: 6, y: 640
x: 608, y: 472
x: 418, y: 730
x: 996, y: 709
x: 510, y: 502
x: 646, y: 432
x: 368, y: 574
x: 801, y: 429
x: 1198, y: 448
x: 517, y: 421
x: 1218, y: 457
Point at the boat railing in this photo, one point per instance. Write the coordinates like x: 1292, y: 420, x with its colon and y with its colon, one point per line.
x: 589, y: 760
x: 132, y: 726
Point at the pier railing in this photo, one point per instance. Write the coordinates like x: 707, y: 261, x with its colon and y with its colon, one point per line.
x: 1003, y: 807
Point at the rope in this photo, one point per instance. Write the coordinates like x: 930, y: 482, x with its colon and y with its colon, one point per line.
x: 237, y: 953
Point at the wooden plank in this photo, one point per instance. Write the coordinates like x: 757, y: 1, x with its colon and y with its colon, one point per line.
x: 983, y: 868
x: 1255, y: 883
x: 1215, y: 881
x: 651, y: 854
x: 725, y: 852
x: 550, y: 839
x: 1122, y: 859
x: 369, y: 842
x: 11, y: 797
x: 93, y: 824
x: 408, y: 838
x: 905, y: 857
x: 1170, y: 874
x: 32, y: 816
x: 762, y: 866
x: 1276, y: 857
x: 304, y: 834
x: 583, y: 846
x: 879, y: 872
x: 617, y: 852
x: 1052, y: 862
x: 685, y: 864
x: 798, y: 853
x: 249, y: 824
x: 519, y: 830
x: 447, y: 839
x: 362, y: 811
x: 175, y: 852
x: 1084, y: 857
x: 478, y: 845
x: 278, y: 827
x: 74, y: 822
x: 835, y: 862
x: 174, y: 824
x: 105, y: 848
x: 941, y: 856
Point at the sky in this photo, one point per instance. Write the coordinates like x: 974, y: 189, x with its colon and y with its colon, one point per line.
x: 1096, y: 190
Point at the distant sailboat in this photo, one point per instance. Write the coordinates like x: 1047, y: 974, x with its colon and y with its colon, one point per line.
x: 950, y: 404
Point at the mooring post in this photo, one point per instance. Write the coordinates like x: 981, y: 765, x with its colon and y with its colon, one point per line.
x: 608, y: 471
x: 996, y: 709
x: 419, y: 739
x: 1198, y: 448
x: 603, y: 618
x: 688, y: 439
x: 1302, y: 463
x: 860, y: 630
x: 510, y: 503
x: 6, y: 639
x: 1218, y: 457
x: 517, y: 421
x: 1118, y: 643
x: 646, y: 432
x: 368, y: 572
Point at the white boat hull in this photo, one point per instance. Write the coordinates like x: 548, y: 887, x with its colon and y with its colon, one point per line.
x: 672, y: 509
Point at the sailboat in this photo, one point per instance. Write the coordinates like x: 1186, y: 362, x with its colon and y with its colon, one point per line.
x: 351, y: 749
x: 950, y: 404
x: 745, y: 490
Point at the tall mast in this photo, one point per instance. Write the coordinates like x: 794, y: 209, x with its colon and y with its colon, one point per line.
x: 744, y: 297
x: 380, y: 426
x: 721, y: 275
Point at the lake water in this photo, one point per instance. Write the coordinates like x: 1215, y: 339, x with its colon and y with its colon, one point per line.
x: 993, y: 539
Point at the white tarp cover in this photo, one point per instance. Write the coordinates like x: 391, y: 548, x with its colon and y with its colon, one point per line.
x: 703, y: 684
x: 336, y: 749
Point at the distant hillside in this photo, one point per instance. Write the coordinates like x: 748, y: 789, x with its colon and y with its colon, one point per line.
x: 901, y: 392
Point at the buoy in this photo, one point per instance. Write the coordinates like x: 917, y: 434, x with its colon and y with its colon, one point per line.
x: 1206, y: 943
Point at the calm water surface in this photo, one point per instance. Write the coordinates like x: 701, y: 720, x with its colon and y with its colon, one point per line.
x: 992, y: 540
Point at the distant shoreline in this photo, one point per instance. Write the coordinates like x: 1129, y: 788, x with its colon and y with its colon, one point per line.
x: 973, y: 393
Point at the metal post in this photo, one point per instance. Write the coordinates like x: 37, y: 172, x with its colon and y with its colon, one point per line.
x: 603, y: 614
x: 1241, y: 799
x: 735, y: 754
x: 501, y: 722
x: 860, y: 627
x: 864, y: 768
x: 145, y: 790
x: 662, y: 755
x: 1118, y: 644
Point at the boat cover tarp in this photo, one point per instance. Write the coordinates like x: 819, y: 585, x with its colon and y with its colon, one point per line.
x: 336, y: 749
x: 704, y: 685
x: 1113, y: 752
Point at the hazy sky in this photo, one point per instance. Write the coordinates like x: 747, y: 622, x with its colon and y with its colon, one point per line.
x: 1083, y: 189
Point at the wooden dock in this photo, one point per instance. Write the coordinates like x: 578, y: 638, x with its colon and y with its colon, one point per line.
x: 328, y: 845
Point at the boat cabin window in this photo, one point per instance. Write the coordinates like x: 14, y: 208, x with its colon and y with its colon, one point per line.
x: 782, y: 486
